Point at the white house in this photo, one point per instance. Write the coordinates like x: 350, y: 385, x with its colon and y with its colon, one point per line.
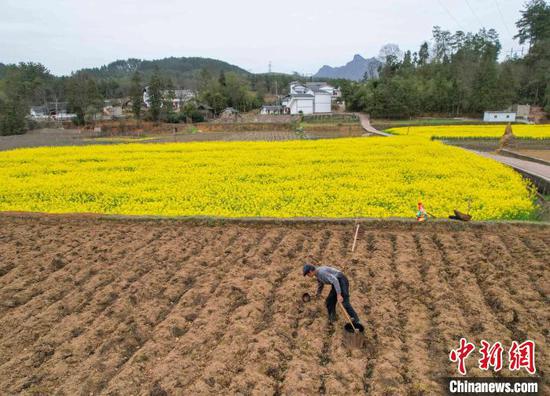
x: 51, y: 110
x: 40, y: 112
x: 499, y: 116
x: 522, y: 111
x: 267, y: 110
x: 310, y: 98
x: 181, y: 97
x: 323, y: 86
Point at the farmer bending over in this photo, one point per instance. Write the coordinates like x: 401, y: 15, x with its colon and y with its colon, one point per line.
x: 339, y: 291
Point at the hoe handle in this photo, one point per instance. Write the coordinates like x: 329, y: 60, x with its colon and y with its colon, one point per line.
x: 347, y: 316
x: 355, y: 238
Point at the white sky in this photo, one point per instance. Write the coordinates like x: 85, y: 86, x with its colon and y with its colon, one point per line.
x: 299, y: 35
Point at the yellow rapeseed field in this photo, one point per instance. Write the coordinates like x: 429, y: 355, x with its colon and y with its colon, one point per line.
x: 474, y: 131
x: 375, y: 177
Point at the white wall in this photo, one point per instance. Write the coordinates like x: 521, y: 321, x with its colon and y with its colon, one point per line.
x: 499, y: 117
x: 323, y: 103
x: 304, y: 105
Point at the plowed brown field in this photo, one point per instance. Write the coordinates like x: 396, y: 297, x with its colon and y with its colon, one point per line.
x: 93, y: 305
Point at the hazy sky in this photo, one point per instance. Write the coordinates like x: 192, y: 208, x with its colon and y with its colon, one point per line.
x: 299, y: 35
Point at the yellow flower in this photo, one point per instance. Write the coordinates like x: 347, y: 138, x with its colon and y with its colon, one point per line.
x: 374, y: 177
x: 474, y: 131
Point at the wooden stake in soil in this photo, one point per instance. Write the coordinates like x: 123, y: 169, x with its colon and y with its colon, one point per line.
x: 355, y: 238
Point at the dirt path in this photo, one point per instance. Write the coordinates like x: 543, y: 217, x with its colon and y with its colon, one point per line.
x: 536, y: 169
x: 104, y: 305
x: 537, y: 154
x: 365, y: 123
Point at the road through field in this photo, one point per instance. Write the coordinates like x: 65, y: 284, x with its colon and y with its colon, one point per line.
x: 105, y: 305
x: 531, y: 167
x: 365, y: 123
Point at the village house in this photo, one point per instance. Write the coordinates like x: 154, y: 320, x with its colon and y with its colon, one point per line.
x: 51, y: 110
x: 181, y: 97
x: 309, y: 98
x: 499, y: 116
x: 205, y: 111
x: 522, y: 111
x: 113, y: 108
x: 229, y: 114
x: 323, y: 86
x: 272, y: 109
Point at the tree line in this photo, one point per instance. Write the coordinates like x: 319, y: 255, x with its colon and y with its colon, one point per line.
x: 31, y: 84
x: 460, y: 73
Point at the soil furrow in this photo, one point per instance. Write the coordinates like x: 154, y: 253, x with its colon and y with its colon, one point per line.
x: 125, y: 296
x: 176, y: 325
x: 197, y: 307
x: 434, y: 334
x: 362, y: 298
x: 101, y: 295
x: 278, y: 326
x: 510, y: 305
x: 536, y: 247
x: 415, y: 321
x: 205, y: 303
x: 452, y: 276
x: 345, y: 360
x: 179, y: 282
x: 53, y: 290
x: 521, y: 251
x: 443, y: 303
x: 384, y: 313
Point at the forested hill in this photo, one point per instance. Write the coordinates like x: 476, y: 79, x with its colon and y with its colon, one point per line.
x: 173, y: 67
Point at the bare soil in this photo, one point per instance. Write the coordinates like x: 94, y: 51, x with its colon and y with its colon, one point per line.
x: 98, y: 305
x: 541, y: 154
x: 74, y: 137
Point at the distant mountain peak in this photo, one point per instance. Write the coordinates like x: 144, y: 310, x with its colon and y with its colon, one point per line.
x: 353, y: 70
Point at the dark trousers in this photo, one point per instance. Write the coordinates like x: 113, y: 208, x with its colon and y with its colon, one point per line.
x: 332, y: 299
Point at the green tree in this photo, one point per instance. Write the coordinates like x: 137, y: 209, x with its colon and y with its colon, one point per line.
x: 534, y: 24
x: 84, y: 97
x: 136, y: 95
x: 94, y: 104
x: 423, y: 54
x: 12, y: 116
x: 221, y: 79
x: 215, y: 99
x: 205, y: 79
x: 534, y: 27
x: 190, y: 112
x: 23, y: 85
x: 155, y: 95
x: 168, y: 102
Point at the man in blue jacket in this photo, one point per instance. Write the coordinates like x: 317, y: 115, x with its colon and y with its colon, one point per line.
x: 339, y: 291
